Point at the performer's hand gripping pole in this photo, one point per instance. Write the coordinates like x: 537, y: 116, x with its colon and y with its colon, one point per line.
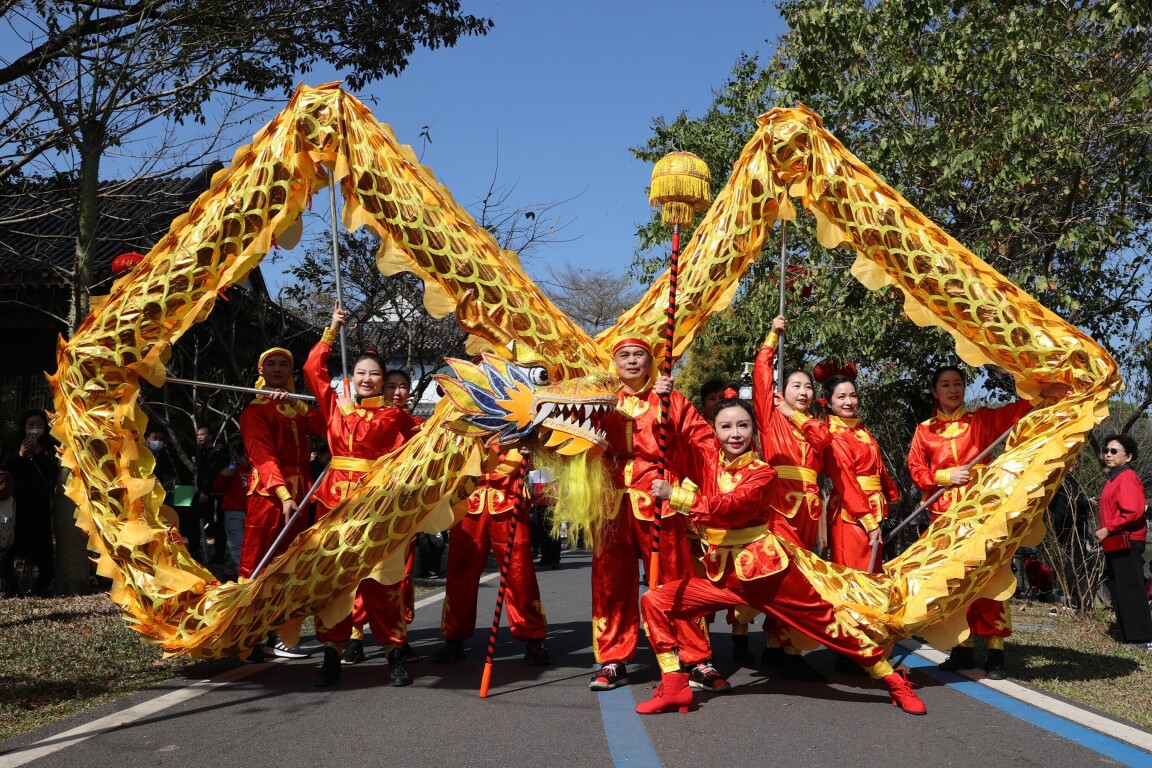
x: 505, y: 568
x: 288, y: 525
x: 932, y: 499
x: 681, y: 187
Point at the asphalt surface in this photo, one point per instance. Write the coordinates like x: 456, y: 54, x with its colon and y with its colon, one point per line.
x: 271, y: 715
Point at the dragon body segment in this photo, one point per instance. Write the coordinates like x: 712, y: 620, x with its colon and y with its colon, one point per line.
x: 172, y: 600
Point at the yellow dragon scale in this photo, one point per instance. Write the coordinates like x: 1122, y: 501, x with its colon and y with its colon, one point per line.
x: 172, y: 600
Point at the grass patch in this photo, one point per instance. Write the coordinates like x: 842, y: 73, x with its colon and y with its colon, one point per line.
x: 1081, y: 659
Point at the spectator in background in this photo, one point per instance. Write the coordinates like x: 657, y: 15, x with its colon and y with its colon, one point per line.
x: 232, y: 484
x: 542, y: 488
x: 35, y: 470
x: 711, y: 392
x: 188, y: 521
x: 1122, y: 531
x: 210, y: 459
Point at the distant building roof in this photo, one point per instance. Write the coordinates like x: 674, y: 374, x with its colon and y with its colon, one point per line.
x: 38, y: 225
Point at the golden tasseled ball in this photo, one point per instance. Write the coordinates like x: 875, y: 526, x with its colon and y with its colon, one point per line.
x: 681, y: 186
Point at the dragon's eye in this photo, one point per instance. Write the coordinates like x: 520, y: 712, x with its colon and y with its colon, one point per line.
x: 538, y: 376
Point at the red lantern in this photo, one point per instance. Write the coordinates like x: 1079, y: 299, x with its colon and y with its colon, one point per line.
x: 123, y: 264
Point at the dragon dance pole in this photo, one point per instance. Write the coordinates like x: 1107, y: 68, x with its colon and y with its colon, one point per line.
x: 932, y: 499
x: 288, y: 525
x: 339, y: 283
x: 505, y: 569
x: 234, y: 388
x: 780, y: 343
x: 681, y: 187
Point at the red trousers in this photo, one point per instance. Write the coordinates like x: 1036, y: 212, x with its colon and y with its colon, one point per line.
x: 989, y: 618
x: 468, y: 546
x: 786, y: 596
x: 616, y: 580
x: 262, y: 524
x: 849, y: 545
x: 387, y: 608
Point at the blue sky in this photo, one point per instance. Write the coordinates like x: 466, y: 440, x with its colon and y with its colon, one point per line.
x: 553, y: 97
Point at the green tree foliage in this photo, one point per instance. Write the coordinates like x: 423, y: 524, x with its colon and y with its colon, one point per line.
x: 1021, y: 128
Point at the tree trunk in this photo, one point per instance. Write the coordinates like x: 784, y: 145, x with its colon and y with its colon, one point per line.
x: 73, y: 570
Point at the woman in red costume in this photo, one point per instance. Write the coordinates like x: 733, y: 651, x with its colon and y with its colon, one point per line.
x: 941, y: 447
x: 747, y: 564
x: 487, y: 528
x: 861, y: 486
x: 361, y: 428
x: 627, y: 538
x: 793, y: 444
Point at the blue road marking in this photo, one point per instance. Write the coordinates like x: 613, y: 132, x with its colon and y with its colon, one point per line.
x: 627, y: 737
x: 1085, y: 737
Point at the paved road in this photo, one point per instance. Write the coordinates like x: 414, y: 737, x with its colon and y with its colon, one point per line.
x: 270, y: 716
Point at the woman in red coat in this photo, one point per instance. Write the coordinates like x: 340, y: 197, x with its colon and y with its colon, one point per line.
x: 940, y: 449
x: 862, y: 489
x: 360, y: 429
x: 746, y: 564
x: 793, y: 443
x: 1123, y: 528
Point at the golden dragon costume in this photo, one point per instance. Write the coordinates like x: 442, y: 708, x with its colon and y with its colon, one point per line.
x: 169, y: 598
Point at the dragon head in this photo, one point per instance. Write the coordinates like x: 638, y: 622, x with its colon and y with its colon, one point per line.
x: 509, y: 402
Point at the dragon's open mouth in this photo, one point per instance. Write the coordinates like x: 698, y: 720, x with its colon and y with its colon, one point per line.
x: 575, y: 427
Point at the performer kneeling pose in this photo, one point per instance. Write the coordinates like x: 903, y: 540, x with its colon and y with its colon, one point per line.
x: 941, y: 447
x: 747, y: 564
x: 360, y: 430
x: 862, y: 488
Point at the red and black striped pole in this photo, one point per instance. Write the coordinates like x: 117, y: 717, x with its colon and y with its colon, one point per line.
x: 681, y: 186
x: 505, y: 567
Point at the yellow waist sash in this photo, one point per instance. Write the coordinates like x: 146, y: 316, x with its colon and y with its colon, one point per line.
x: 722, y: 537
x: 349, y: 464
x: 802, y: 474
x: 868, y: 482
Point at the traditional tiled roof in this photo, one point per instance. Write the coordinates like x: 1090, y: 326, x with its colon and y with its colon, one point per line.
x: 38, y: 225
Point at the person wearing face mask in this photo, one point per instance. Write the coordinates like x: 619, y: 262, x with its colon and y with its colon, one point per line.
x: 941, y: 447
x: 275, y: 431
x: 793, y: 443
x: 362, y: 425
x: 35, y: 470
x: 746, y: 564
x: 1123, y: 529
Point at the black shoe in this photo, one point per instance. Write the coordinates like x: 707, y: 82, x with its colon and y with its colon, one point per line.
x: 329, y: 672
x: 410, y: 655
x: 704, y: 677
x: 740, y: 653
x: 536, y: 654
x: 796, y: 667
x: 353, y: 652
x: 961, y: 657
x: 256, y: 656
x: 609, y: 677
x: 397, y: 673
x: 772, y: 657
x: 994, y: 664
x: 848, y: 667
x: 452, y: 650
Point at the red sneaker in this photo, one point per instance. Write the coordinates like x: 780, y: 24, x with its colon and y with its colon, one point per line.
x: 672, y: 693
x: 902, y: 695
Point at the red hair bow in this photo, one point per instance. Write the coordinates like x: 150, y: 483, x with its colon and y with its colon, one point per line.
x: 830, y: 366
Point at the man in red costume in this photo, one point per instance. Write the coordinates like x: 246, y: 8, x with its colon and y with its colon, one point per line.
x: 492, y: 509
x: 275, y: 432
x: 632, y: 438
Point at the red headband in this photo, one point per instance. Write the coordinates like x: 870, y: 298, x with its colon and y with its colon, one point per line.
x: 632, y: 341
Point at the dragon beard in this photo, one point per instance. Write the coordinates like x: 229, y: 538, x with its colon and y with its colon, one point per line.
x: 586, y: 496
